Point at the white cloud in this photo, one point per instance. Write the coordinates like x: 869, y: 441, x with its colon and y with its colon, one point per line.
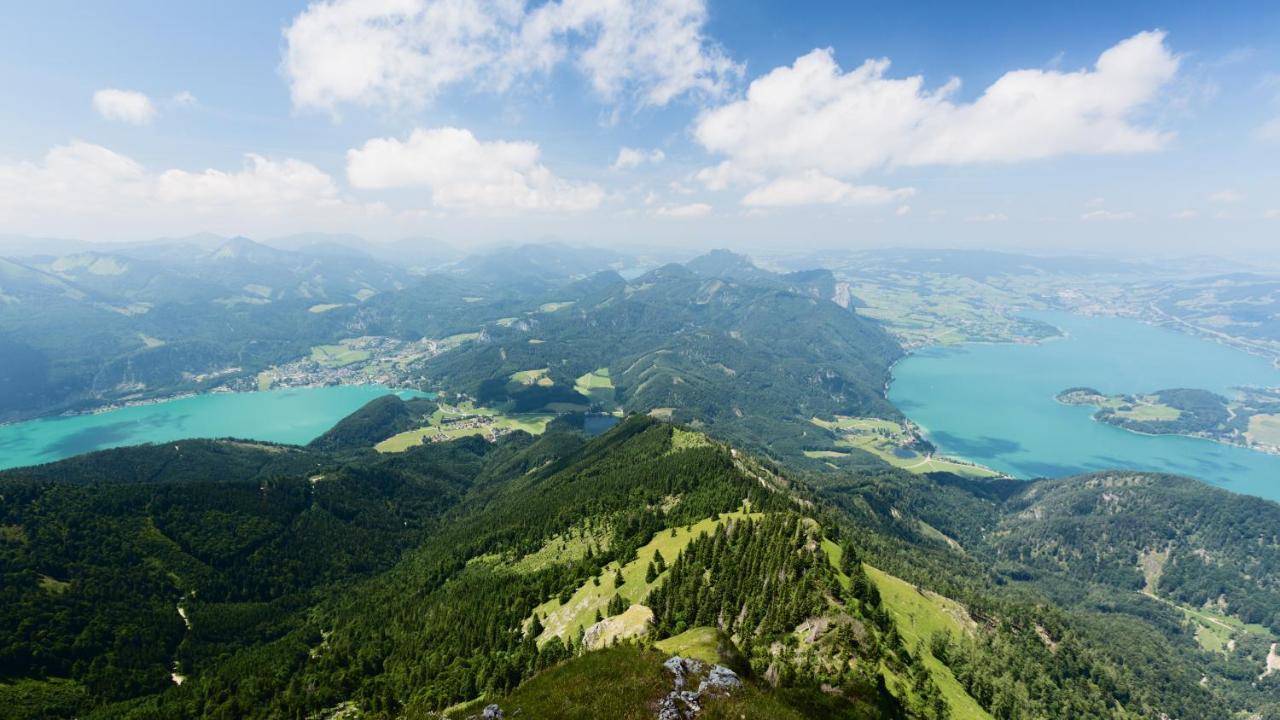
x: 75, y: 169
x: 988, y: 217
x: 1268, y: 131
x: 81, y: 189
x: 684, y: 211
x: 1103, y: 215
x: 811, y: 115
x: 815, y: 188
x: 261, y: 182
x: 394, y: 52
x: 463, y: 172
x: 632, y: 157
x: 1226, y: 197
x: 902, y: 211
x: 184, y: 99
x: 726, y: 174
x: 1185, y: 215
x: 1272, y: 215
x: 128, y: 106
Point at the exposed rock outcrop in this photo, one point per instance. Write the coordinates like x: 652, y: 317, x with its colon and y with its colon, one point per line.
x: 684, y: 704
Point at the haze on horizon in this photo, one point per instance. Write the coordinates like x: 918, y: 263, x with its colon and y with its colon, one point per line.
x: 1145, y: 129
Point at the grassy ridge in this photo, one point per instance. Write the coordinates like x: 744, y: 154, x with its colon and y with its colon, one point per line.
x: 918, y: 615
x: 568, y: 620
x: 626, y: 682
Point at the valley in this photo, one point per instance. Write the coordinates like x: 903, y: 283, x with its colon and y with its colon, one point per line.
x: 582, y: 474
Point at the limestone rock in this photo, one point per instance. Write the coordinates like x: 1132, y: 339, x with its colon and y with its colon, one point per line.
x: 682, y: 704
x: 720, y: 680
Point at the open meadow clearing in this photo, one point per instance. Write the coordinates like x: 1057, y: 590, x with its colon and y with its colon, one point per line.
x: 449, y: 422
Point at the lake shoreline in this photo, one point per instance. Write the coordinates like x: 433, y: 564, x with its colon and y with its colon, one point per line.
x: 116, y: 405
x: 1069, y: 397
x: 292, y: 416
x: 994, y: 404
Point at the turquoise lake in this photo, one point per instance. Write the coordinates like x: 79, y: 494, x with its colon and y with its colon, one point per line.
x: 291, y: 415
x: 995, y: 404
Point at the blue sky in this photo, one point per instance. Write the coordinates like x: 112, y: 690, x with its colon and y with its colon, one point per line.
x: 489, y: 122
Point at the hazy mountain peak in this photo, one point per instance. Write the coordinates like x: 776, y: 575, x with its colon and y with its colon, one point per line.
x: 243, y: 248
x: 727, y: 264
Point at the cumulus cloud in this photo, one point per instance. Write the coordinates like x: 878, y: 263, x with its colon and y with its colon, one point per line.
x: 261, y: 182
x: 128, y: 106
x: 812, y: 115
x: 1225, y: 197
x: 726, y: 174
x: 463, y: 172
x: 632, y: 157
x: 1107, y: 215
x: 1185, y: 215
x: 684, y: 211
x: 78, y: 168
x: 396, y: 52
x: 815, y: 188
x: 88, y: 190
x: 902, y: 211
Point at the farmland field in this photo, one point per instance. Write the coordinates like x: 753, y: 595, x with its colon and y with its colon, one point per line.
x: 597, y: 385
x: 890, y: 442
x: 339, y: 355
x: 532, y: 423
x: 532, y: 377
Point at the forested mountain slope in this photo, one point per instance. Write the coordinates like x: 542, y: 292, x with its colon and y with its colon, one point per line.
x: 1167, y: 535
x: 282, y: 582
x: 1181, y: 571
x: 377, y: 420
x: 752, y: 362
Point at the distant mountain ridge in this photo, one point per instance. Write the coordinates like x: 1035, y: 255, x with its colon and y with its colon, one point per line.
x: 114, y: 320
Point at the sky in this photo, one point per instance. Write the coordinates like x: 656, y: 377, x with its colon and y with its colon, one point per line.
x: 1095, y: 127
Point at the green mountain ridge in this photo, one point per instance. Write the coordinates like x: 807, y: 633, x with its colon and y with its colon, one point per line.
x: 401, y: 585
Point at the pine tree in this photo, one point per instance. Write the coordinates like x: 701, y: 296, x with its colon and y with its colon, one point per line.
x: 618, y: 579
x: 650, y: 574
x: 617, y: 605
x: 848, y: 559
x: 659, y: 561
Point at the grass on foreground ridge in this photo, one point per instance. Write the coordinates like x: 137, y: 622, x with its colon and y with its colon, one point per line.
x: 568, y: 620
x: 625, y: 682
x: 918, y: 615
